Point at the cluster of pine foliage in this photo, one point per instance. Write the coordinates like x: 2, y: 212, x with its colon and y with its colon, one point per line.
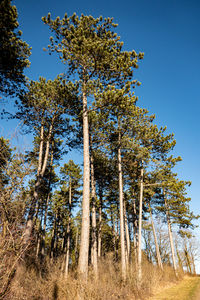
x: 50, y: 211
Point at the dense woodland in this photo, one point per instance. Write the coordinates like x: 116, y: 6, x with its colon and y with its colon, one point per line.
x: 125, y: 203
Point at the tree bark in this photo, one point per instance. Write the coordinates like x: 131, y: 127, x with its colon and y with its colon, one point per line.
x: 46, y: 205
x: 135, y: 234
x: 51, y: 254
x: 29, y: 224
x: 187, y: 259
x: 76, y: 245
x: 127, y: 237
x: 38, y: 244
x: 121, y: 209
x: 193, y: 264
x: 114, y: 235
x: 40, y: 173
x: 85, y: 225
x: 100, y: 224
x: 180, y: 263
x: 68, y: 231
x: 94, y: 226
x: 140, y: 228
x: 159, y: 261
x: 170, y: 234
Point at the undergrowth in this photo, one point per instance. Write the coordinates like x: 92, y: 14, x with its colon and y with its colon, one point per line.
x: 48, y: 283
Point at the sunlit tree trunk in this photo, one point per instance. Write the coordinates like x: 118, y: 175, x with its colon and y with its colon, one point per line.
x: 38, y: 243
x: 94, y: 226
x: 180, y: 262
x: 121, y: 209
x: 85, y: 225
x: 135, y: 234
x: 187, y: 259
x: 76, y: 245
x: 29, y: 224
x: 170, y: 234
x: 40, y: 174
x: 68, y: 230
x: 193, y: 265
x: 127, y: 236
x: 117, y: 230
x: 140, y: 228
x: 159, y: 261
x: 114, y: 235
x: 53, y: 237
x: 46, y: 206
x: 100, y: 223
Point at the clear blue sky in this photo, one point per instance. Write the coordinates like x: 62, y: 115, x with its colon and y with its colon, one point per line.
x: 168, y: 33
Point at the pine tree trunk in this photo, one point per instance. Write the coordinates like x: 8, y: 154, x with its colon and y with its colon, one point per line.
x: 76, y: 245
x: 127, y: 237
x: 38, y: 244
x: 94, y: 227
x: 53, y: 237
x: 187, y: 258
x: 67, y: 251
x: 170, y: 234
x: 44, y: 225
x: 193, y: 265
x: 135, y: 234
x: 85, y: 225
x: 114, y: 235
x: 180, y: 263
x: 159, y: 261
x: 140, y: 228
x: 100, y: 224
x: 29, y: 224
x: 117, y: 227
x: 40, y: 173
x: 46, y: 205
x: 121, y: 206
x: 68, y: 230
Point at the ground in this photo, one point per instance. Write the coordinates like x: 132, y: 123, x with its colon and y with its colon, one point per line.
x: 187, y: 289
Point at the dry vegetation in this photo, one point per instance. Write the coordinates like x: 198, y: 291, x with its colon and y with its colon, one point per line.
x: 34, y: 282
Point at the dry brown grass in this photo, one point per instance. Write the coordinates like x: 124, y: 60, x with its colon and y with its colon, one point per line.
x: 31, y: 284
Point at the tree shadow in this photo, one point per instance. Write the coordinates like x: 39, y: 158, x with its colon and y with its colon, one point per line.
x: 55, y: 291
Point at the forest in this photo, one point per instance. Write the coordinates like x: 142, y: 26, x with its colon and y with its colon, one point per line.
x: 119, y: 222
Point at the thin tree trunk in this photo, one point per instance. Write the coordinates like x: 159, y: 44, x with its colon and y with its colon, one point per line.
x: 44, y: 166
x: 180, y: 263
x: 85, y: 225
x: 94, y: 226
x: 46, y: 205
x: 114, y: 235
x: 121, y: 206
x: 68, y: 230
x: 76, y: 245
x: 127, y: 236
x: 187, y: 258
x: 44, y: 225
x: 40, y: 173
x: 170, y: 234
x: 117, y: 227
x: 57, y: 233
x: 66, y: 271
x: 140, y: 228
x: 100, y: 223
x: 53, y: 237
x: 135, y: 234
x: 193, y: 265
x: 29, y: 224
x: 159, y: 261
x: 38, y: 244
